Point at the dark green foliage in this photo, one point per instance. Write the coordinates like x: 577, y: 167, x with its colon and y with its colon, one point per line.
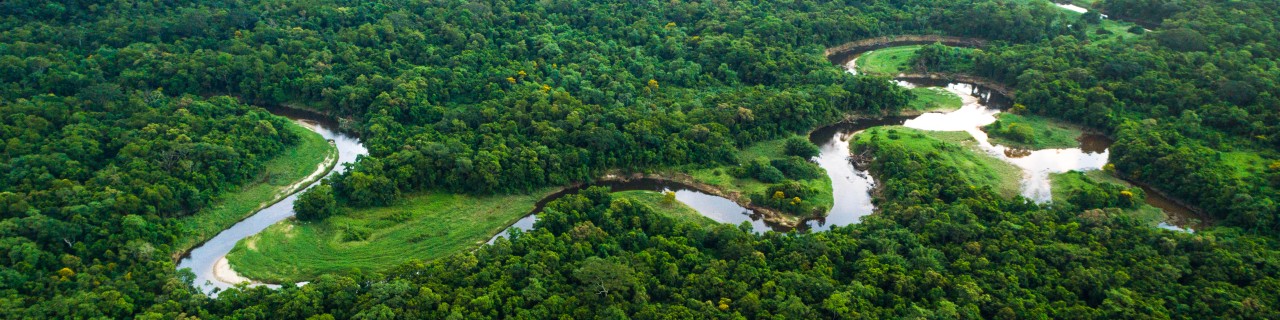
x: 936, y: 57
x: 977, y: 256
x: 1184, y: 168
x: 797, y: 168
x: 510, y: 96
x: 1174, y: 109
x: 1106, y: 195
x: 790, y: 197
x: 89, y: 191
x: 1014, y: 131
x: 760, y: 169
x: 800, y: 147
x: 316, y: 203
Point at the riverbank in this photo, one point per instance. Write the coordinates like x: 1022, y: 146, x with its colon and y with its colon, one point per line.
x: 1067, y: 183
x: 718, y: 181
x: 422, y: 226
x: 1033, y: 132
x: 891, y: 60
x: 931, y: 99
x: 955, y: 147
x: 286, y: 174
x: 844, y: 52
x: 738, y: 192
x: 666, y: 206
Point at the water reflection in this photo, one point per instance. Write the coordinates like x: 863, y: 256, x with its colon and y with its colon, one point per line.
x: 716, y: 208
x: 1035, y: 164
x: 850, y: 185
x: 206, y: 259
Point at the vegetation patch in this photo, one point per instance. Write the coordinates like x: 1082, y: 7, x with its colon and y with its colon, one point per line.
x: 1096, y: 189
x: 756, y: 174
x: 423, y: 226
x: 952, y: 148
x: 666, y: 203
x: 1032, y: 132
x: 1248, y: 164
x: 892, y: 60
x: 286, y: 169
x: 932, y: 99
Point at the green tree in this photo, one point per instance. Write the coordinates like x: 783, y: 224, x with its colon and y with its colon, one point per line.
x: 316, y: 203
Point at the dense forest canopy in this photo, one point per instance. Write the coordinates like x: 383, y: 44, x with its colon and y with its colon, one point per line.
x: 119, y: 116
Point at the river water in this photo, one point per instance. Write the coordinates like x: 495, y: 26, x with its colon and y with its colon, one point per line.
x: 717, y: 208
x: 203, y: 259
x: 852, y: 186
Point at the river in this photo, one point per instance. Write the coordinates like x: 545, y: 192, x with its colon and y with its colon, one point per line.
x: 206, y: 259
x: 718, y: 209
x: 852, y: 186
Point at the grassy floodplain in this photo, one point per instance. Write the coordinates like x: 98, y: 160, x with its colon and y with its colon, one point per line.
x: 1064, y: 184
x: 1032, y: 132
x: 674, y: 209
x: 892, y: 60
x: 773, y: 149
x: 422, y: 226
x: 280, y: 174
x: 954, y: 147
x: 932, y: 99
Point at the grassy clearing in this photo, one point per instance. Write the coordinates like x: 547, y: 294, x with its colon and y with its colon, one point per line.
x: 1115, y: 29
x: 1064, y: 184
x: 1032, y: 132
x: 933, y: 99
x: 956, y: 148
x: 719, y: 176
x: 892, y: 60
x: 422, y: 226
x: 675, y: 209
x: 292, y: 165
x: 1246, y: 163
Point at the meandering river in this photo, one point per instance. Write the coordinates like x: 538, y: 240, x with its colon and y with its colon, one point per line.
x: 851, y: 186
x: 208, y: 261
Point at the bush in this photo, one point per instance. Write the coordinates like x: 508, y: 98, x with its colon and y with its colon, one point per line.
x: 801, y: 147
x: 759, y: 169
x: 316, y: 204
x: 797, y: 168
x: 1020, y: 132
x: 791, y: 197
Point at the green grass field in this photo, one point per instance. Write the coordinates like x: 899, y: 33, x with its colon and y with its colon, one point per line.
x: 1246, y: 163
x: 958, y: 149
x: 294, y: 164
x: 719, y: 177
x: 933, y: 99
x: 421, y: 226
x: 891, y: 60
x: 1032, y: 132
x: 1064, y: 184
x: 676, y: 209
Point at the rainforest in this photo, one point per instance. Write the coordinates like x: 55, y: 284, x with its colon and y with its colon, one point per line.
x: 486, y: 159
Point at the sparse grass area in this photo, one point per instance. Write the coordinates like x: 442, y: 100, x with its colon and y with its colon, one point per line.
x: 1064, y: 184
x: 933, y: 99
x: 1115, y: 29
x: 773, y: 149
x: 421, y: 226
x: 1032, y: 132
x: 674, y: 209
x: 1246, y: 163
x: 292, y: 165
x: 892, y: 60
x: 956, y: 148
